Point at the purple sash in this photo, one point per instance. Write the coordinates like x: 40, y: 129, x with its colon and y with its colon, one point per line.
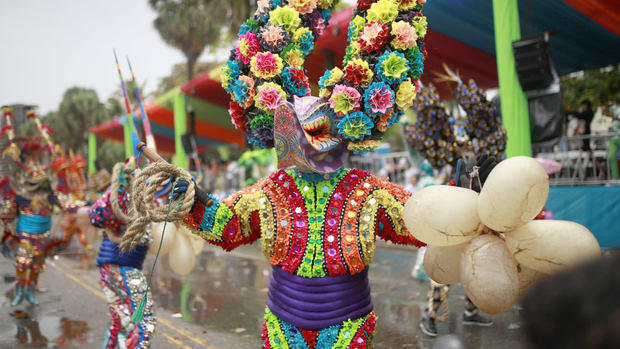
x: 317, y: 303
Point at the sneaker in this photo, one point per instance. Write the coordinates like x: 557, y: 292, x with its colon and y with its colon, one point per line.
x: 427, y: 325
x: 477, y: 319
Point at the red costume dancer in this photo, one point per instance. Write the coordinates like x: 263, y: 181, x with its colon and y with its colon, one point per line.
x: 31, y: 201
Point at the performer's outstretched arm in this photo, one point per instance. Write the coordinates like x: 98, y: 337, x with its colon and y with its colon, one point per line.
x: 228, y: 223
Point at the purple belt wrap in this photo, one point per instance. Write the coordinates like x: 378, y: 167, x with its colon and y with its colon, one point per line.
x: 317, y: 303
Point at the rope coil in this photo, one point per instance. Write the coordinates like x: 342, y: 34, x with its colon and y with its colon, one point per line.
x: 144, y: 208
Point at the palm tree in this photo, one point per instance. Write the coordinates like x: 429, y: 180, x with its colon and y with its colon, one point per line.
x: 192, y: 25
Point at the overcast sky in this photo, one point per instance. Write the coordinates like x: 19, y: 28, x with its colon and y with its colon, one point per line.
x: 49, y: 46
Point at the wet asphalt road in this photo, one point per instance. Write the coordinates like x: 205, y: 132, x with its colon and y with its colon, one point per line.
x: 220, y: 304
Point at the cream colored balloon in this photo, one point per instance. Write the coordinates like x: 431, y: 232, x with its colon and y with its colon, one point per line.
x: 196, y: 241
x: 441, y: 215
x: 443, y: 263
x: 550, y: 246
x: 489, y: 274
x: 527, y: 279
x: 90, y: 234
x: 182, y: 258
x: 82, y: 219
x: 169, y: 237
x: 514, y: 193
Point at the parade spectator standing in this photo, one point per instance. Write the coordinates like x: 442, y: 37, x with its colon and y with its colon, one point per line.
x: 586, y: 115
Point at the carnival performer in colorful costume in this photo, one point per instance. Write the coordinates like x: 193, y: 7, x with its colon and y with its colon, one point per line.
x: 317, y: 221
x: 121, y: 276
x: 442, y: 141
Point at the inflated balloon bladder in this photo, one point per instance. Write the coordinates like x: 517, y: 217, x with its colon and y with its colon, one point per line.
x: 169, y: 237
x: 442, y: 263
x: 513, y: 194
x: 489, y: 274
x: 461, y: 229
x: 182, y: 257
x: 441, y: 215
x: 549, y: 246
x: 196, y: 241
x: 528, y: 278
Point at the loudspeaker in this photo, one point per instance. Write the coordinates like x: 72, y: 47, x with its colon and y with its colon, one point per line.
x: 533, y: 62
x: 189, y: 143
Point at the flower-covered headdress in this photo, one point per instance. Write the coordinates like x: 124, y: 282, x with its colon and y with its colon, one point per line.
x: 358, y: 102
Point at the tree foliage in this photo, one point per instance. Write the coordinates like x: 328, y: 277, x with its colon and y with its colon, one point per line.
x: 178, y: 75
x: 192, y: 25
x: 600, y: 86
x: 79, y: 110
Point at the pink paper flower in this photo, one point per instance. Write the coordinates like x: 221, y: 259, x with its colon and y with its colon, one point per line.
x: 248, y: 47
x: 266, y: 65
x: 344, y: 100
x: 269, y: 96
x: 404, y: 35
x: 374, y: 36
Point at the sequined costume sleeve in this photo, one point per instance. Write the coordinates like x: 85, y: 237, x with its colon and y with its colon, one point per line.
x: 391, y: 199
x: 231, y: 222
x: 102, y: 216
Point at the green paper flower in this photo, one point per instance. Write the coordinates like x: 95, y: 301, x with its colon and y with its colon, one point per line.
x: 383, y: 10
x: 355, y: 28
x: 420, y: 25
x: 285, y: 16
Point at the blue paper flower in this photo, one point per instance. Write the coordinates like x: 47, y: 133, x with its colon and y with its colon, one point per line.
x: 306, y: 42
x: 392, y: 67
x: 355, y: 126
x: 293, y: 85
x: 230, y: 74
x: 240, y: 91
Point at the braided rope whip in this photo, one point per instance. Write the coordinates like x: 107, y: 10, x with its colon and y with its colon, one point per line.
x: 144, y: 209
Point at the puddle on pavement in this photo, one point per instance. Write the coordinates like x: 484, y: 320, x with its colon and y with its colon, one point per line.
x: 48, y: 331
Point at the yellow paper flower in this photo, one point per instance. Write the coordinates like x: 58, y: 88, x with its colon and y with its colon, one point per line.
x: 355, y: 28
x: 335, y: 76
x: 325, y: 4
x: 406, y: 5
x: 293, y: 57
x: 405, y: 95
x: 383, y: 10
x: 286, y: 17
x: 325, y: 93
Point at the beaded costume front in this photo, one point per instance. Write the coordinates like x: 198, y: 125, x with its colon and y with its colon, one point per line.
x: 309, y: 225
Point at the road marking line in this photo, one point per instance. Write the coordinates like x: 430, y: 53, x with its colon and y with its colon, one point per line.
x: 161, y: 320
x: 176, y: 341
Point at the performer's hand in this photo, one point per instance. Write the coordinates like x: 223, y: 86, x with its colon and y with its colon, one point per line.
x: 483, y: 166
x: 180, y: 187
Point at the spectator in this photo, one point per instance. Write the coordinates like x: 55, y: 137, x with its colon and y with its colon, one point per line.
x: 614, y: 142
x: 586, y: 115
x: 579, y: 308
